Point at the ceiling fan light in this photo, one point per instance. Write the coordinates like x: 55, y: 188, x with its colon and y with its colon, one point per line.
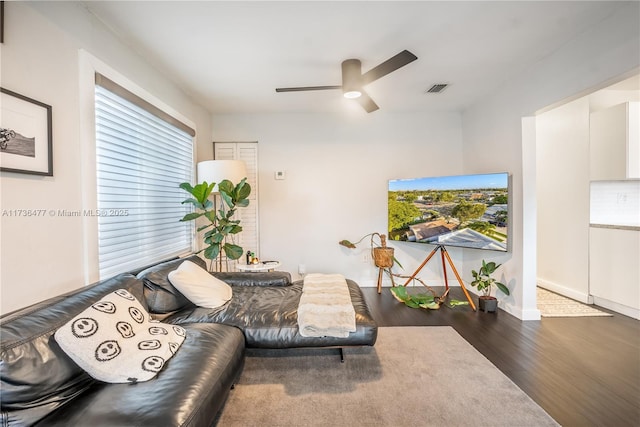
x: 352, y: 94
x: 351, y: 74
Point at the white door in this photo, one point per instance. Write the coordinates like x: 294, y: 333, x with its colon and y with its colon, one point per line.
x: 249, y: 238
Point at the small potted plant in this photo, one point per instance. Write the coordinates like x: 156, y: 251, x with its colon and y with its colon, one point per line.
x: 381, y: 253
x: 483, y: 281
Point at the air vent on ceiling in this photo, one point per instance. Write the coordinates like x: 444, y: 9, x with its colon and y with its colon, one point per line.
x: 437, y: 88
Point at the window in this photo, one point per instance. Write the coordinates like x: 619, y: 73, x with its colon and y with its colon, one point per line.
x: 142, y: 155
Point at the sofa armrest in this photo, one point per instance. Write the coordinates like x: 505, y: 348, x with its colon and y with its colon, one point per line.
x: 241, y: 278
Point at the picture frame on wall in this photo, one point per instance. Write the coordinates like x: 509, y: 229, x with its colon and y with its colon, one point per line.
x: 1, y: 22
x: 25, y: 135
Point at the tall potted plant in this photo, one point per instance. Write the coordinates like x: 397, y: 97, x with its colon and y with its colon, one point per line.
x: 484, y: 282
x: 221, y: 225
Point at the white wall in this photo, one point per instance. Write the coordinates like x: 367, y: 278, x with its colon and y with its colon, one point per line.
x: 564, y: 170
x: 563, y: 199
x: 493, y: 132
x: 44, y: 256
x: 337, y: 168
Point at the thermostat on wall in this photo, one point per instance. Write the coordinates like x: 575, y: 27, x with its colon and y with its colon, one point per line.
x: 280, y: 174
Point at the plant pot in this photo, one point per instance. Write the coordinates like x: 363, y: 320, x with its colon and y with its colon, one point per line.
x: 383, y: 257
x: 487, y: 304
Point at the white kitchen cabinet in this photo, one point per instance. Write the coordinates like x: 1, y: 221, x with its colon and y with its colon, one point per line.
x: 614, y: 271
x: 615, y: 142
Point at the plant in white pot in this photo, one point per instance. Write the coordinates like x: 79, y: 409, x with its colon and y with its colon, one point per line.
x: 484, y: 282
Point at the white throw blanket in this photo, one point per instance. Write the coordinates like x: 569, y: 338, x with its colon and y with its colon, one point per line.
x: 325, y: 307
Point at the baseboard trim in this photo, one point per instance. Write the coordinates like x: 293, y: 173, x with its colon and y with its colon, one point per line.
x: 386, y: 283
x: 618, y: 308
x: 519, y: 312
x: 582, y: 297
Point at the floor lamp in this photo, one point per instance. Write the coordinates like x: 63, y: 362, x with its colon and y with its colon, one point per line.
x: 217, y: 171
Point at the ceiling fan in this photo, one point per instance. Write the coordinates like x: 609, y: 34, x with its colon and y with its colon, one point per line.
x: 353, y: 81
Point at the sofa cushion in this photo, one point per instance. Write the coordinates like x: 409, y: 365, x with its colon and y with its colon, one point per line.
x: 200, y: 287
x: 190, y: 393
x: 160, y: 294
x: 114, y: 341
x: 36, y: 376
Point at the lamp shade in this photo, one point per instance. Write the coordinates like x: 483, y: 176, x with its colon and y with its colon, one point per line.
x: 219, y: 170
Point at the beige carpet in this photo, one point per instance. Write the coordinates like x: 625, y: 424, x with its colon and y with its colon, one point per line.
x: 414, y: 376
x: 551, y: 304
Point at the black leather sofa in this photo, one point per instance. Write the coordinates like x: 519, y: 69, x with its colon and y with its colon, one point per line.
x: 41, y: 385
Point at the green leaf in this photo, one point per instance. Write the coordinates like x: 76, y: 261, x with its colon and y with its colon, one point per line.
x: 455, y: 302
x: 217, y: 238
x: 233, y: 251
x: 430, y: 305
x: 211, y: 216
x: 400, y: 293
x: 186, y: 187
x: 397, y: 262
x: 226, y: 198
x: 191, y: 216
x: 201, y: 191
x: 225, y: 187
x: 242, y: 203
x: 194, y: 202
x: 411, y: 303
x: 503, y: 288
x: 204, y: 227
x: 348, y: 244
x: 242, y: 190
x: 422, y: 298
x: 235, y: 229
x: 490, y: 268
x: 212, y: 252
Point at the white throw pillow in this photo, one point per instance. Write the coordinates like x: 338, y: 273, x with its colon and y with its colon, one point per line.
x: 115, y: 341
x: 200, y: 287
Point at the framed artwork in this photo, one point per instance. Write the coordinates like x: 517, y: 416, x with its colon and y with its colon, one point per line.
x: 25, y: 135
x: 1, y: 22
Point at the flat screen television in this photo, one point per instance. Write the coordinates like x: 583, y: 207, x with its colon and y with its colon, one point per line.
x: 469, y: 211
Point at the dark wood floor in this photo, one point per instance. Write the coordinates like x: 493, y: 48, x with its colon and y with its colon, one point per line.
x: 583, y: 371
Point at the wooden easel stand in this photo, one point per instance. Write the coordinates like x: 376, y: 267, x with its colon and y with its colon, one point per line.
x: 444, y: 255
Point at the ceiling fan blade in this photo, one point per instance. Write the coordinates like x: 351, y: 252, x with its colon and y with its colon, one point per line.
x: 388, y: 66
x: 305, y: 88
x: 367, y: 103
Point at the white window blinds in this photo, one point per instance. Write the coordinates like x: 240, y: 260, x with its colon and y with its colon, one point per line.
x: 140, y: 162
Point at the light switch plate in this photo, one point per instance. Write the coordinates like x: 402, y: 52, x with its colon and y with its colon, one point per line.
x: 280, y: 175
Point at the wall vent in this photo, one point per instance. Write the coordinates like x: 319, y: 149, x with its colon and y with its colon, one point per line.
x: 437, y: 88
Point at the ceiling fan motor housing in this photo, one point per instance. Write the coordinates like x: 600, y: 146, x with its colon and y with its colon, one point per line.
x: 352, y: 78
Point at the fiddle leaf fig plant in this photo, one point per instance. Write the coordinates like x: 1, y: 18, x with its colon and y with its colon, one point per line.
x: 221, y: 225
x: 483, y: 281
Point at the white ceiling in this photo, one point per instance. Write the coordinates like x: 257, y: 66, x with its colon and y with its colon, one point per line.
x: 230, y: 56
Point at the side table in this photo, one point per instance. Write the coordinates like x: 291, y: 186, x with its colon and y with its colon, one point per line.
x: 260, y: 267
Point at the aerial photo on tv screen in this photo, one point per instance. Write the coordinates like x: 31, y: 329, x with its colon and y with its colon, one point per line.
x: 465, y: 211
